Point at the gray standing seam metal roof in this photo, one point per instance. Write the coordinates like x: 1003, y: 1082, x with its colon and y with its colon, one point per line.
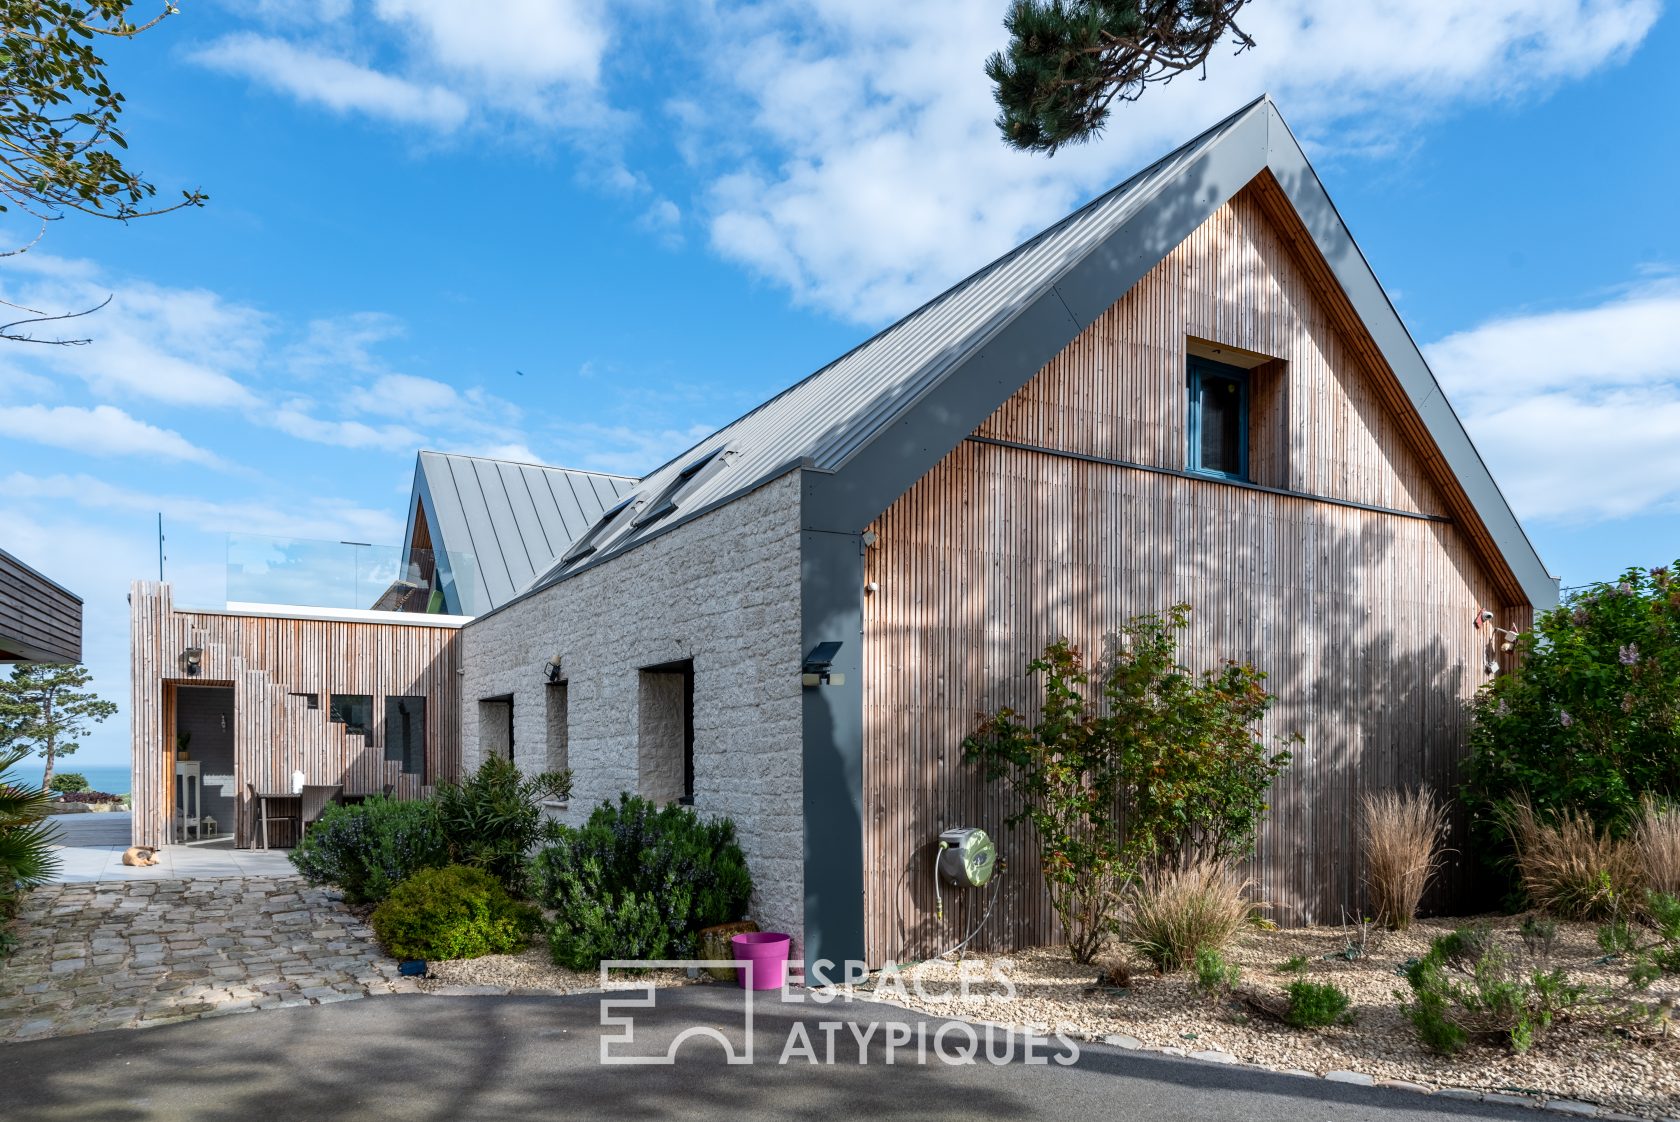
x: 513, y: 519
x: 824, y: 421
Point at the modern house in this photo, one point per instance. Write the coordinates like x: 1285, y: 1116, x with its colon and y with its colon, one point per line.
x: 40, y: 619
x: 1191, y: 389
x: 295, y: 674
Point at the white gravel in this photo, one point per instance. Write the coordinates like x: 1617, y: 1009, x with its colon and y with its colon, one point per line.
x: 1635, y: 1069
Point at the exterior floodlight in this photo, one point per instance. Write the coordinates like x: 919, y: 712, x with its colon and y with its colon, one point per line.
x: 192, y: 660
x: 816, y: 670
x: 551, y: 670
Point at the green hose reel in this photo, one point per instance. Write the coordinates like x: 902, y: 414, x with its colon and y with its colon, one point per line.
x: 967, y: 857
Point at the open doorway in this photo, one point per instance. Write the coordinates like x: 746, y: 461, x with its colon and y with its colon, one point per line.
x: 204, y: 731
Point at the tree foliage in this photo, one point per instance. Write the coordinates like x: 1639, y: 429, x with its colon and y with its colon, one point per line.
x: 44, y: 707
x: 1068, y: 61
x: 1589, y: 722
x: 61, y: 143
x: 1154, y: 766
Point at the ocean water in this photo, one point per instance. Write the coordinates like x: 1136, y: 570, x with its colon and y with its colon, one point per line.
x: 111, y: 780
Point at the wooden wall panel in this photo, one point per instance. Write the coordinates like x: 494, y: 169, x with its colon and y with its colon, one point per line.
x: 40, y: 620
x: 267, y: 661
x: 1363, y: 618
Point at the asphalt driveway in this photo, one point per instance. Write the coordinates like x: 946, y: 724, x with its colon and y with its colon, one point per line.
x: 416, y: 1057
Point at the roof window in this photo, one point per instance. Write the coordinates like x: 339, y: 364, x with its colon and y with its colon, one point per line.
x: 666, y: 501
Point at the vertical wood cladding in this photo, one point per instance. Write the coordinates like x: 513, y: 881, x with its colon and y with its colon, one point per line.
x: 271, y: 665
x: 1361, y: 617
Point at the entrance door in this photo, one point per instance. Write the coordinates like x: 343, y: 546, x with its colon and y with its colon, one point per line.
x: 204, y: 725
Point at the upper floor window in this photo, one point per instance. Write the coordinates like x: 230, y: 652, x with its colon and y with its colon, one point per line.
x: 1218, y: 419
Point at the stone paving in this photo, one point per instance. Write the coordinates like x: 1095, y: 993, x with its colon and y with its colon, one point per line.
x: 124, y: 954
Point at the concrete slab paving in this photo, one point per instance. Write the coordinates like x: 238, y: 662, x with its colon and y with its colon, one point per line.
x: 92, y: 846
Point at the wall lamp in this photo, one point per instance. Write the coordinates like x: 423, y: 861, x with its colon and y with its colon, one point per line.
x: 551, y: 670
x: 816, y: 671
x: 192, y: 661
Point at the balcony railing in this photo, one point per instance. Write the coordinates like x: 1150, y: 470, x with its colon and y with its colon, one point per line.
x: 320, y: 574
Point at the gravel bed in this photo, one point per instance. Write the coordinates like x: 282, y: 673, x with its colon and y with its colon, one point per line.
x: 532, y: 971
x: 1633, y: 1069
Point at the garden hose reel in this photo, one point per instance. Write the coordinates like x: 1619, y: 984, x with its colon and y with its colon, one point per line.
x: 967, y: 857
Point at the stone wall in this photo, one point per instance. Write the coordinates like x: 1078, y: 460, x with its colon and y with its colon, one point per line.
x: 722, y: 590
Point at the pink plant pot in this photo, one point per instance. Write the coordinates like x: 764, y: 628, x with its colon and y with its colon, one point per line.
x: 768, y: 952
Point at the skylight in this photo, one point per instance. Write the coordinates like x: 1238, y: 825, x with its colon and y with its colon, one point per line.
x: 587, y: 544
x: 666, y: 501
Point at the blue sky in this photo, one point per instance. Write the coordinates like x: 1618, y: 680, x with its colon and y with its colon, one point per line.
x: 662, y: 214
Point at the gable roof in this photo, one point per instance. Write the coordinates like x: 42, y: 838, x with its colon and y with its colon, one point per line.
x: 505, y: 522
x: 911, y: 393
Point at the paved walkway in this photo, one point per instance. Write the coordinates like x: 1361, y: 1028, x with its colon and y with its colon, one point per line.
x: 121, y: 954
x: 92, y: 848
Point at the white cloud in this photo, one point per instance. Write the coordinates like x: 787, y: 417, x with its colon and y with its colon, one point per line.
x: 887, y: 180
x: 322, y: 518
x: 172, y: 345
x: 295, y: 419
x: 663, y: 219
x: 103, y: 430
x: 440, y: 63
x: 531, y: 43
x: 336, y: 83
x: 625, y: 449
x: 1578, y: 411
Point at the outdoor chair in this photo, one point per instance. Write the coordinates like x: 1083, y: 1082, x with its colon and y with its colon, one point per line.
x: 264, y: 815
x: 316, y: 799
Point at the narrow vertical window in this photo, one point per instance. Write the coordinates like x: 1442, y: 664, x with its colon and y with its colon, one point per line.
x: 495, y: 727
x: 405, y: 734
x: 559, y: 735
x: 1218, y: 419
x: 665, y: 733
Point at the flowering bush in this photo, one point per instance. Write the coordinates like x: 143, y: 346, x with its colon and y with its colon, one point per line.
x: 89, y: 797
x: 1590, y: 719
x: 1170, y: 756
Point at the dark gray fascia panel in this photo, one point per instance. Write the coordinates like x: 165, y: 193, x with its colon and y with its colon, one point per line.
x: 831, y: 610
x: 1370, y: 302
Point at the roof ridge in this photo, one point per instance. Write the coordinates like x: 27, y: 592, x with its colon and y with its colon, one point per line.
x: 532, y: 464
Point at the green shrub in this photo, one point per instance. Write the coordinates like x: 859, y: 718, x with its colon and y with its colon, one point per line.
x: 69, y: 782
x: 1171, y: 917
x: 1469, y: 987
x: 638, y: 881
x: 366, y: 850
x: 493, y: 820
x: 1177, y: 751
x: 1316, y: 1004
x: 1294, y: 964
x: 1587, y: 721
x: 27, y: 836
x: 453, y: 912
x: 1213, y: 974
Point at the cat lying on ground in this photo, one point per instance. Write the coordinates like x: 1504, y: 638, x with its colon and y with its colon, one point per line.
x: 140, y: 855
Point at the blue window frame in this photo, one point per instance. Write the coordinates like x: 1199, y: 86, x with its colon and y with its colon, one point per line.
x: 1218, y: 419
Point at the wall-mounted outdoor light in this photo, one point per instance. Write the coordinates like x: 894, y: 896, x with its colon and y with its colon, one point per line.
x: 816, y: 671
x: 551, y: 670
x: 192, y: 661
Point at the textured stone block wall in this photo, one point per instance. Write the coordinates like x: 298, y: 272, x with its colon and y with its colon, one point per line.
x: 722, y: 590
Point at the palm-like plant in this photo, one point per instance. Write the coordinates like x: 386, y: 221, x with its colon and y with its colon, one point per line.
x: 26, y: 836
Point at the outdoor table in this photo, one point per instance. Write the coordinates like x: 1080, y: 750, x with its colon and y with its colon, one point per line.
x: 287, y: 806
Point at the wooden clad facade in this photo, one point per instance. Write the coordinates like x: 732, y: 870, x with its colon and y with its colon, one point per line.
x: 1351, y: 572
x: 40, y: 620
x: 273, y: 664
